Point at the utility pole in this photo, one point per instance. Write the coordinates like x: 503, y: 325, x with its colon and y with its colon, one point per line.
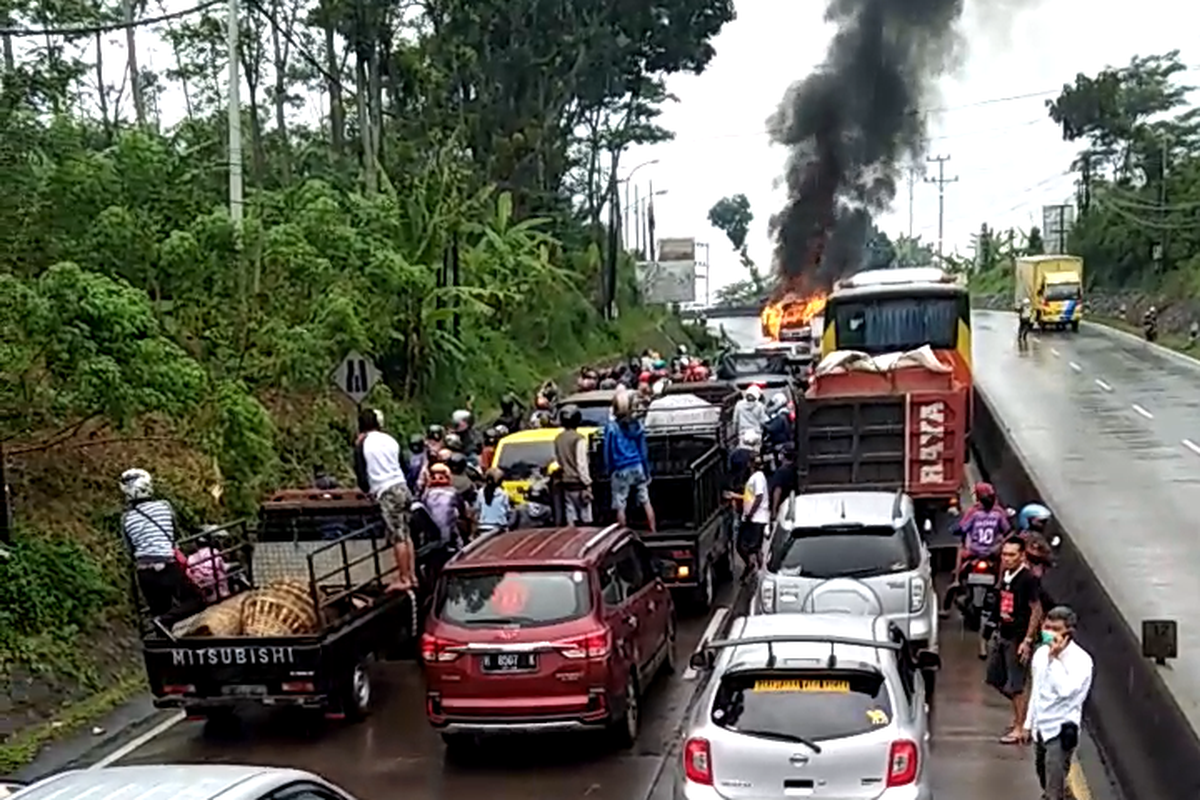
x: 912, y: 180
x: 941, y: 180
x: 236, y: 205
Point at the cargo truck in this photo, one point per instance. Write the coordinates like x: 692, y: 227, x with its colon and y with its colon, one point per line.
x: 1053, y: 285
x: 889, y: 423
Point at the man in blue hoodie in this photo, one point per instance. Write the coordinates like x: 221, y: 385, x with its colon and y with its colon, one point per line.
x: 626, y: 458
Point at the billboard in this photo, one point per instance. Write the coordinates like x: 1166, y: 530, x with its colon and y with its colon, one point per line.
x: 1057, y: 222
x: 671, y: 278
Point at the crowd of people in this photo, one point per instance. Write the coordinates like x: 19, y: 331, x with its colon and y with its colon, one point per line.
x: 1032, y: 657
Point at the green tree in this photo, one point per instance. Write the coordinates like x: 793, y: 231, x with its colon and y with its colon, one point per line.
x: 732, y: 216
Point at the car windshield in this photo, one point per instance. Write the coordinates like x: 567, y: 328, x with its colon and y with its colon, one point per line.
x: 518, y: 460
x: 850, y: 552
x: 527, y: 598
x: 802, y: 705
x: 595, y: 416
x: 1062, y: 291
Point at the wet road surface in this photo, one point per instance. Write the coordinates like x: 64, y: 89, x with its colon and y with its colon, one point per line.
x: 1110, y: 429
x: 396, y: 754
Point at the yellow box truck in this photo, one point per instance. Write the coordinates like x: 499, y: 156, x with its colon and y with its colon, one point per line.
x: 1053, y: 285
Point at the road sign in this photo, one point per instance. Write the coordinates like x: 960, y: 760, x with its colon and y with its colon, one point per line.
x: 356, y: 376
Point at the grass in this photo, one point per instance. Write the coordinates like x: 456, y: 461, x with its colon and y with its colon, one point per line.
x: 22, y: 747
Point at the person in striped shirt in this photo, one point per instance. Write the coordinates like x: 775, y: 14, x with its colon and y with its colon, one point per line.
x: 149, y: 528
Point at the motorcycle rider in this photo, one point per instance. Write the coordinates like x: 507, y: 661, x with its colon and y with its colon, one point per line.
x: 463, y: 422
x: 417, y: 460
x: 777, y: 429
x: 982, y: 528
x: 1150, y: 323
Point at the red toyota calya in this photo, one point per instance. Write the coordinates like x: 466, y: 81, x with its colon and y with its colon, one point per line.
x: 546, y: 630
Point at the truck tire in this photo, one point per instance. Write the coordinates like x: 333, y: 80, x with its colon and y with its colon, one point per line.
x: 357, y: 693
x: 705, y: 593
x: 218, y: 722
x: 460, y: 746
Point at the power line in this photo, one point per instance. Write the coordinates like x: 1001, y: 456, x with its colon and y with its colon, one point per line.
x: 91, y: 30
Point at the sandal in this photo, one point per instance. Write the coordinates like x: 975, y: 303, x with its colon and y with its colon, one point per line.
x: 1012, y: 737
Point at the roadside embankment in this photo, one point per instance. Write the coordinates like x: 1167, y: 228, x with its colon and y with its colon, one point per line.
x: 1146, y: 741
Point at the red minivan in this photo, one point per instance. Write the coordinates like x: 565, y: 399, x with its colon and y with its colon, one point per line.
x: 545, y: 630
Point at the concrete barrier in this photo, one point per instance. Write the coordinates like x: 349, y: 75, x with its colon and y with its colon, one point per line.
x: 1146, y: 741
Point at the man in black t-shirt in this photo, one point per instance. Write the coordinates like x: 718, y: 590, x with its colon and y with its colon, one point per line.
x: 783, y: 481
x: 1018, y: 613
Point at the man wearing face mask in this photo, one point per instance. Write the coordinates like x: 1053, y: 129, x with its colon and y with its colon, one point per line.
x: 1061, y: 679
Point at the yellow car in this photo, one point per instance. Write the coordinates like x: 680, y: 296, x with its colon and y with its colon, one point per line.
x: 518, y: 454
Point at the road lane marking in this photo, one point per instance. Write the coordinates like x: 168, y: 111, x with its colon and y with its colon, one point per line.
x: 718, y: 617
x: 127, y: 748
x: 1142, y: 411
x: 1103, y: 385
x: 1190, y: 445
x: 1054, y: 350
x: 1077, y: 783
x: 1076, y: 367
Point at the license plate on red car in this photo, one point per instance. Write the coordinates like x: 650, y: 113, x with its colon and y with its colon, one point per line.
x: 509, y: 662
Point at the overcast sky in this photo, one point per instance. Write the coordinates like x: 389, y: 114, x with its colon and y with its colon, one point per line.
x: 1009, y: 156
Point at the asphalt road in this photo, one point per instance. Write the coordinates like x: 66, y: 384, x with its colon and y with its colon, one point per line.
x: 1109, y: 426
x: 396, y: 754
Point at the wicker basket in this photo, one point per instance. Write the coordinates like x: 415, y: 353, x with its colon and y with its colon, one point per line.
x: 283, y: 608
x: 223, y: 619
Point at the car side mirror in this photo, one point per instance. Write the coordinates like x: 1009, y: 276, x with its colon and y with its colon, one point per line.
x: 928, y: 660
x: 702, y: 660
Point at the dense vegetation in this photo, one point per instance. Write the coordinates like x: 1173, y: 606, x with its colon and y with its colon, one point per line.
x: 443, y: 213
x: 1138, y: 180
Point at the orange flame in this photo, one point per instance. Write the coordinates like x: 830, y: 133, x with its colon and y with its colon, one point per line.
x: 791, y: 311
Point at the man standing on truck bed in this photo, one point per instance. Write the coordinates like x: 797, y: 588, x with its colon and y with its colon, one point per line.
x: 627, y: 459
x: 149, y: 528
x: 380, y: 474
x: 571, y: 453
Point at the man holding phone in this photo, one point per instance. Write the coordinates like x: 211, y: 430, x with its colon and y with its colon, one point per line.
x: 1062, y: 678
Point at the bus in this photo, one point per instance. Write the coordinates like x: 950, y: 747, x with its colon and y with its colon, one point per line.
x: 893, y: 310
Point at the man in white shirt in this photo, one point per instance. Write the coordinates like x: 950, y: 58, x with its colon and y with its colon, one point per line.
x: 1062, y: 678
x: 380, y: 473
x: 756, y: 515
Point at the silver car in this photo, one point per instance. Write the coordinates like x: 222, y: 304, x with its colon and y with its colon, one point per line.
x: 853, y: 552
x: 193, y: 781
x: 822, y: 705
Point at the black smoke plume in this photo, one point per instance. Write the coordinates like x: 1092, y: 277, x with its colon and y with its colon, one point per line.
x: 852, y: 127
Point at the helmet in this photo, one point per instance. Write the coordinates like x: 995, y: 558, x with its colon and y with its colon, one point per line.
x: 457, y: 463
x: 435, y: 432
x: 778, y: 400
x: 645, y: 377
x: 1034, y: 517
x: 750, y: 438
x: 683, y: 349
x: 501, y: 431
x: 984, y: 490
x: 491, y: 436
x: 137, y: 484
x: 439, y: 475
x: 416, y: 442
x: 454, y: 442
x: 754, y: 392
x: 570, y: 416
x: 461, y: 417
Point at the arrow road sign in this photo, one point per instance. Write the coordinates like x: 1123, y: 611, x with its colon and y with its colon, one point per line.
x: 356, y: 376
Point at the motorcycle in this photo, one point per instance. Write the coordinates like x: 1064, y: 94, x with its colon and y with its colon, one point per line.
x: 976, y: 596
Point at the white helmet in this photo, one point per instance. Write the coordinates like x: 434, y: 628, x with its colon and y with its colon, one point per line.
x: 461, y: 417
x: 754, y: 392
x: 778, y: 400
x: 683, y: 349
x: 751, y: 438
x: 137, y: 484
